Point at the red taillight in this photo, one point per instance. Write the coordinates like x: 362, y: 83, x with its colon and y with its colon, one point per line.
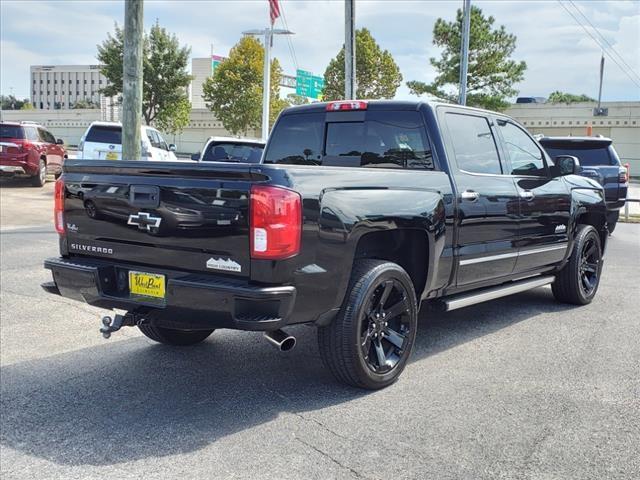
x: 623, y: 176
x: 276, y: 222
x: 346, y: 105
x: 58, y: 208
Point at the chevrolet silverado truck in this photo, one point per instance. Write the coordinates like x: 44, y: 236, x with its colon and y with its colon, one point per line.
x: 358, y: 214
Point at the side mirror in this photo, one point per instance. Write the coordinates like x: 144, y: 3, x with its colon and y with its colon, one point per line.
x: 195, y: 156
x: 567, y: 165
x: 172, y: 147
x: 59, y: 142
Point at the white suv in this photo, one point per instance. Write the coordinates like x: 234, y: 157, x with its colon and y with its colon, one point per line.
x: 103, y: 141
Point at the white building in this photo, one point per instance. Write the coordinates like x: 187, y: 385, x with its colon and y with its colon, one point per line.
x: 55, y: 87
x: 201, y: 69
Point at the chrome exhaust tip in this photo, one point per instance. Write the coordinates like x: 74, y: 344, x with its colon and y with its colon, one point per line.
x: 280, y: 340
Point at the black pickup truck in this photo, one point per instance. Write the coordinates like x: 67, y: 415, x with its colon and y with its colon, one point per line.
x: 359, y: 214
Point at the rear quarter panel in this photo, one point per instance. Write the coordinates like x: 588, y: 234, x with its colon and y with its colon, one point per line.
x: 340, y: 207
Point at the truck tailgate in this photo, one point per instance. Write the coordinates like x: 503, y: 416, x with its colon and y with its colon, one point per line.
x: 183, y: 216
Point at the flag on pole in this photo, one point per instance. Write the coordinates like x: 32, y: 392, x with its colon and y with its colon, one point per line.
x: 274, y: 10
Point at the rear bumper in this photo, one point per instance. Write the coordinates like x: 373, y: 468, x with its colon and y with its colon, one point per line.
x: 17, y: 166
x: 12, y: 169
x: 191, y: 301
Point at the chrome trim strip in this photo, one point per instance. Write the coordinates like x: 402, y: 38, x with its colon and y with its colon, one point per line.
x: 490, y: 258
x: 562, y: 246
x: 503, y: 256
x: 466, y: 300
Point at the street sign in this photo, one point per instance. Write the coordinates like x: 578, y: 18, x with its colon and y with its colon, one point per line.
x: 215, y: 61
x: 309, y: 85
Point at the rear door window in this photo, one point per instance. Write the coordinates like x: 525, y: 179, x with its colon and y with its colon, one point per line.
x: 105, y: 134
x: 32, y: 134
x: 11, y: 131
x: 473, y: 144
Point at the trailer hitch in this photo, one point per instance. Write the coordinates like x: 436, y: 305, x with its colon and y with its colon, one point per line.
x: 110, y: 325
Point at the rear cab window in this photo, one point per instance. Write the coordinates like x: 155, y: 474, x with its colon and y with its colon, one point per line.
x: 371, y: 139
x: 589, y: 155
x: 105, y: 134
x: 12, y: 131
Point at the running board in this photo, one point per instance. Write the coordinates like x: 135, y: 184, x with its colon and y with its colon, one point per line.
x: 466, y: 299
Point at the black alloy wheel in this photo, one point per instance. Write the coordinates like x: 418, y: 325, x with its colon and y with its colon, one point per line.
x: 370, y: 341
x: 385, y: 327
x: 589, y: 266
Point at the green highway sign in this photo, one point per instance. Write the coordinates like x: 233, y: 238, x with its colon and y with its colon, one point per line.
x: 309, y: 85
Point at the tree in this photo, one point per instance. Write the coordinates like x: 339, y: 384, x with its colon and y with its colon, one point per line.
x: 85, y: 104
x: 492, y: 73
x: 377, y: 74
x: 563, y: 97
x: 10, y: 102
x: 27, y: 106
x: 234, y: 92
x: 165, y: 101
x: 295, y: 99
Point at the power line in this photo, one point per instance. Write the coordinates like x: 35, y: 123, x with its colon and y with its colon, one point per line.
x: 620, y: 57
x: 604, y: 49
x: 292, y: 50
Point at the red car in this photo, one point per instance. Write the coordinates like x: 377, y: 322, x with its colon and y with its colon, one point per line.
x: 30, y: 149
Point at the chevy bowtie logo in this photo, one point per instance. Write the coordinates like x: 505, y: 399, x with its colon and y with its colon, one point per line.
x: 144, y: 221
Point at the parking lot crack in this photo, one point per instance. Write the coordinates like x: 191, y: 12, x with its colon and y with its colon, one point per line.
x: 337, y: 462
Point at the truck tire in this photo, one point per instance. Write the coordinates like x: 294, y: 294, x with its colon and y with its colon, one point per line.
x: 612, y: 220
x: 169, y: 336
x: 369, y: 343
x: 578, y: 281
x: 40, y: 178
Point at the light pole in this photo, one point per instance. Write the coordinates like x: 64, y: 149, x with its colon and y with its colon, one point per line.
x: 349, y: 50
x: 464, y: 51
x: 268, y: 34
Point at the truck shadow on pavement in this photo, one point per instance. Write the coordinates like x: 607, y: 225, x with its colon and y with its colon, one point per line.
x: 132, y: 399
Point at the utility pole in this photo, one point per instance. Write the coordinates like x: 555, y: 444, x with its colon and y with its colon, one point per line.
x: 268, y: 34
x: 349, y: 50
x: 132, y: 80
x: 464, y: 51
x: 599, y: 111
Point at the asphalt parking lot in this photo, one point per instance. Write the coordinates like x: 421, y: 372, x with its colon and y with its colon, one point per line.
x: 519, y: 388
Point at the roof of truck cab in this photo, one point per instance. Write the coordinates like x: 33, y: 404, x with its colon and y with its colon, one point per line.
x: 385, y: 105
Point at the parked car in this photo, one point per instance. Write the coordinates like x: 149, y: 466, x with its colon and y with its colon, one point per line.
x: 229, y: 149
x: 103, y: 141
x: 360, y: 213
x: 599, y: 161
x: 29, y: 149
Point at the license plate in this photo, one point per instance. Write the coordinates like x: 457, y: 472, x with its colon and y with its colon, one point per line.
x: 112, y: 156
x: 146, y: 284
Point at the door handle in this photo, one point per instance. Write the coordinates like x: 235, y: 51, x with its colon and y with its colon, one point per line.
x: 527, y: 194
x: 470, y: 195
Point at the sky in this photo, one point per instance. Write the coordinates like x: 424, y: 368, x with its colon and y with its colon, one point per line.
x: 560, y: 55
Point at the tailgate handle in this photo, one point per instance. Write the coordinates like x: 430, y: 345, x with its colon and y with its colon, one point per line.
x: 144, y: 196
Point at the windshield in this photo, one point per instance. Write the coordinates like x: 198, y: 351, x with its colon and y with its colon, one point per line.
x: 11, y: 131
x: 589, y: 157
x: 233, y: 152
